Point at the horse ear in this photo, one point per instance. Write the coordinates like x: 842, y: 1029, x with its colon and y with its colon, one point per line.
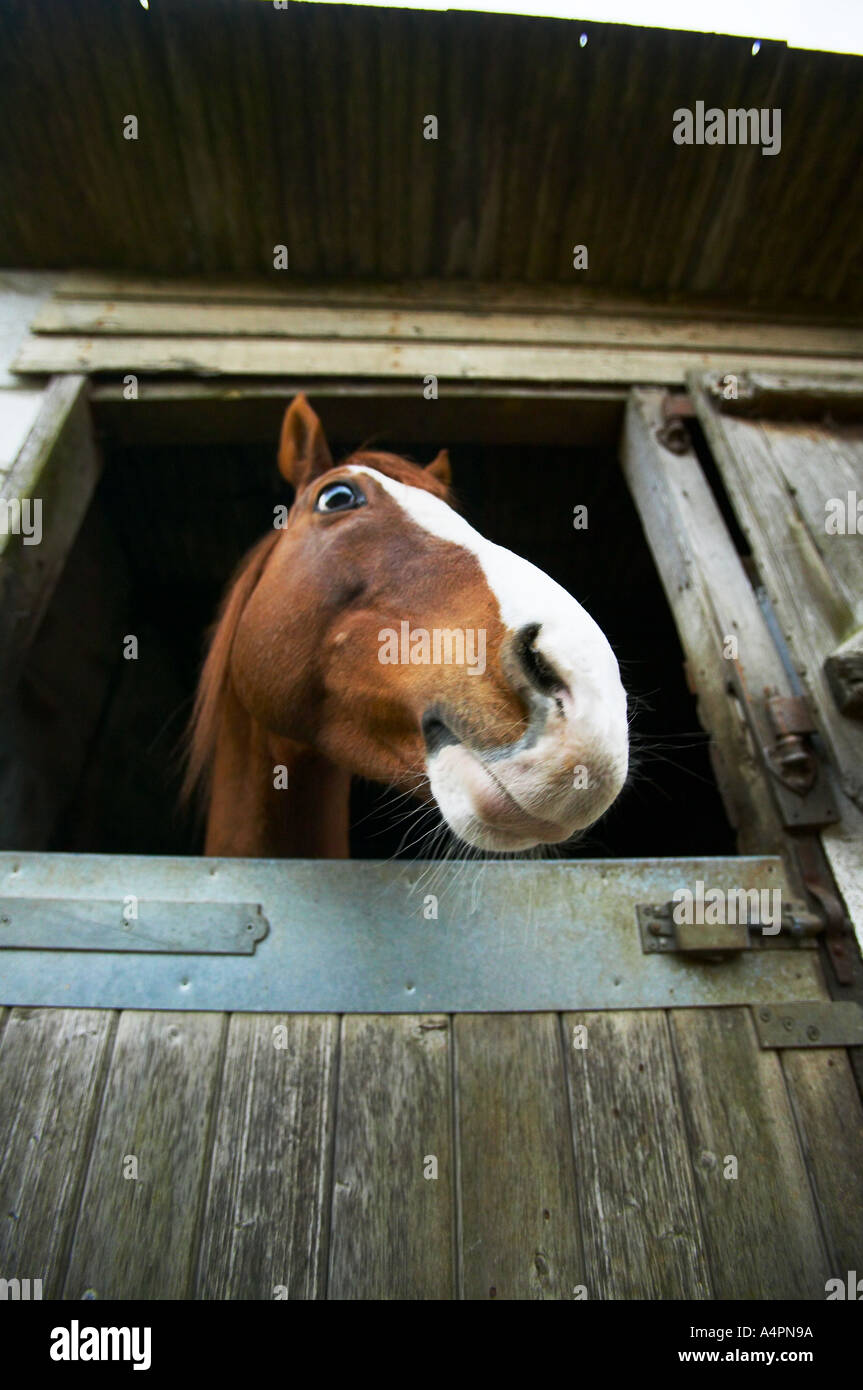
x: 440, y: 469
x: 303, y: 449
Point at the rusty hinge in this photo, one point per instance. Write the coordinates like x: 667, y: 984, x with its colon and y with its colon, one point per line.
x: 782, y: 730
x: 810, y: 1023
x: 818, y: 882
x: 672, y: 433
x: 792, y: 757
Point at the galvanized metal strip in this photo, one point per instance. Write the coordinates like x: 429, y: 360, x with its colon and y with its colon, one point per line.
x: 89, y: 924
x: 371, y: 937
x: 810, y: 1023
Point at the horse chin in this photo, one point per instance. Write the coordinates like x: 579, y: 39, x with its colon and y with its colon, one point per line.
x: 484, y: 813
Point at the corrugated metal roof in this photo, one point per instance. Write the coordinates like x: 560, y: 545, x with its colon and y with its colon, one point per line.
x: 304, y: 126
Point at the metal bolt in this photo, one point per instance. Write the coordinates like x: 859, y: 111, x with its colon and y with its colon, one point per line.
x: 788, y: 1024
x: 764, y: 1015
x: 813, y: 1033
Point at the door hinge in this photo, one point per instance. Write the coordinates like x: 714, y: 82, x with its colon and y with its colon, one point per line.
x: 719, y: 941
x: 810, y: 1023
x: 782, y: 729
x: 818, y: 882
x: 672, y: 434
x: 136, y: 925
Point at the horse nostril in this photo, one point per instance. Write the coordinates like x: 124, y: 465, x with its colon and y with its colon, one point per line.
x: 535, y: 666
x: 435, y: 732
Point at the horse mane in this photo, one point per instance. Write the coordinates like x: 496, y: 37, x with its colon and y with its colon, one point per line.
x: 203, y: 730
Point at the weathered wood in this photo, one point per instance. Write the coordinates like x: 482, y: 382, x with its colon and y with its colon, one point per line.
x: 711, y: 600
x: 136, y: 1236
x: 519, y: 1230
x: 266, y: 1221
x: 761, y: 1230
x: 57, y: 467
x: 790, y: 397
x: 392, y: 1229
x: 843, y: 669
x: 268, y: 319
x: 830, y: 1124
x: 780, y: 477
x: 314, y: 357
x: 843, y: 845
x: 48, y: 722
x: 51, y: 1073
x: 457, y: 294
x: 639, y: 1212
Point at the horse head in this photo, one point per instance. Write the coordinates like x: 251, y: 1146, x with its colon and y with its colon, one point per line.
x: 383, y: 635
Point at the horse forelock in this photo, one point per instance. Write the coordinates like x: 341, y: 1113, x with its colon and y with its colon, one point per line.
x: 402, y: 469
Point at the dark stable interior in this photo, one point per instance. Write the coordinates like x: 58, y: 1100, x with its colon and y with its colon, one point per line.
x: 164, y: 533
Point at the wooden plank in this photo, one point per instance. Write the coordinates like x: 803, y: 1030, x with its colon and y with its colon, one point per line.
x: 639, y: 1213
x: 829, y: 1117
x: 458, y: 294
x: 843, y: 845
x: 795, y: 397
x: 392, y: 1228
x: 818, y: 463
x: 137, y: 1236
x: 57, y: 467
x: 329, y: 357
x: 779, y: 477
x: 51, y: 1073
x: 185, y: 318
x: 266, y: 1222
x: 520, y: 1234
x: 711, y: 599
x: 762, y: 1234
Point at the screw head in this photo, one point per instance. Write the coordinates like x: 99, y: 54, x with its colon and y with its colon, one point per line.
x: 813, y: 1033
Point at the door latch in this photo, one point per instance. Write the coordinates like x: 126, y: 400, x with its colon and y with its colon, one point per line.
x: 719, y: 941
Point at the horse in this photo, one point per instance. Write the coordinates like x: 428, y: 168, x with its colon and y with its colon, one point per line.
x: 377, y: 634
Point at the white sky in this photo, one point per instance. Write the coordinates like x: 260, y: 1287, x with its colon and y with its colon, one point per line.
x: 832, y: 25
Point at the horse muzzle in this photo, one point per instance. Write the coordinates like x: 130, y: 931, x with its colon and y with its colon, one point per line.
x: 558, y: 779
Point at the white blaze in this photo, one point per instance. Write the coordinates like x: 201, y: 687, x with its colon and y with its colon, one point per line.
x: 591, y: 730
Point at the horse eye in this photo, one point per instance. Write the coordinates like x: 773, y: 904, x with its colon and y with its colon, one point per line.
x: 339, y: 497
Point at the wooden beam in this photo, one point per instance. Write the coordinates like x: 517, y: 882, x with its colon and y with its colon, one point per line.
x: 211, y: 318
x: 448, y: 361
x: 455, y: 294
x: 783, y: 480
x: 711, y: 600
